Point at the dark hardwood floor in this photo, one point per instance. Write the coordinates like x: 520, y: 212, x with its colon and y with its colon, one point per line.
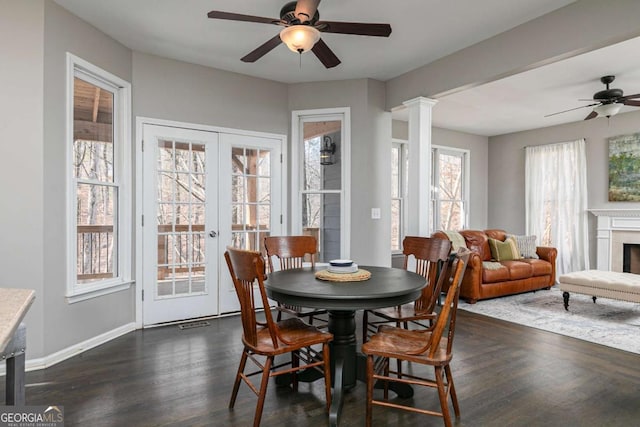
x: 505, y: 375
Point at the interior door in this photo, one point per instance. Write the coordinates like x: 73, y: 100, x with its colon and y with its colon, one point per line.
x: 250, y: 198
x: 180, y: 249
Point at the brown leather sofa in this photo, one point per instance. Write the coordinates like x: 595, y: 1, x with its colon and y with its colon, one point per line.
x: 513, y: 277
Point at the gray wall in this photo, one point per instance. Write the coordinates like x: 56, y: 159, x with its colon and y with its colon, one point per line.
x: 507, y: 158
x: 22, y: 154
x: 174, y: 90
x: 478, y: 147
x: 370, y: 165
x: 68, y: 324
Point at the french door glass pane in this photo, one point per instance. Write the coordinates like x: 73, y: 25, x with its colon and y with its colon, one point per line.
x: 250, y: 197
x: 181, y: 218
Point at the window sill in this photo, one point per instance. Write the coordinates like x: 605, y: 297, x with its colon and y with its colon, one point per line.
x: 94, y: 293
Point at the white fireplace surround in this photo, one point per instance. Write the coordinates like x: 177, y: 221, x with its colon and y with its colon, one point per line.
x: 614, y: 228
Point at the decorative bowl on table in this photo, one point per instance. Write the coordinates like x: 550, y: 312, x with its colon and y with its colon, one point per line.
x: 342, y: 266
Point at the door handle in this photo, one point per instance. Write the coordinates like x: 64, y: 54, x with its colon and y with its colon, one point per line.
x: 213, y: 234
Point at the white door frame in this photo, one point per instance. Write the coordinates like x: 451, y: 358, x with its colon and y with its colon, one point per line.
x: 140, y: 122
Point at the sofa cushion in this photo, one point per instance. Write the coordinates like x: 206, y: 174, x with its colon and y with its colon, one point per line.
x: 504, y: 251
x: 495, y: 275
x: 477, y: 241
x: 527, y: 245
x: 518, y: 269
x: 539, y: 267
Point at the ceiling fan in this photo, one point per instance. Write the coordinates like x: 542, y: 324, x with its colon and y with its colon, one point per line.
x: 608, y: 102
x: 302, y: 28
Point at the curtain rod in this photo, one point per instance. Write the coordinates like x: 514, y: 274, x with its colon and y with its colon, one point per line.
x: 554, y: 143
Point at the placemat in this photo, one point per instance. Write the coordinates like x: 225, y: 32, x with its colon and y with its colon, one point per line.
x: 358, y: 276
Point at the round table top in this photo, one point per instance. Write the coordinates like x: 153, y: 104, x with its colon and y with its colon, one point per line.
x: 386, y: 287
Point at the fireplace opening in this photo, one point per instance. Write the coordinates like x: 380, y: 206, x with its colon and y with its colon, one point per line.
x: 631, y: 258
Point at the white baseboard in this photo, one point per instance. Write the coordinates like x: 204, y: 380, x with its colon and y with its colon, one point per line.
x: 66, y: 353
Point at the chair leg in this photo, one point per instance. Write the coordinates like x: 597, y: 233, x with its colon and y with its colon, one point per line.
x: 369, y: 390
x: 295, y: 363
x: 236, y: 384
x: 326, y: 354
x: 452, y: 391
x: 365, y: 326
x: 263, y: 391
x: 386, y: 374
x: 443, y: 396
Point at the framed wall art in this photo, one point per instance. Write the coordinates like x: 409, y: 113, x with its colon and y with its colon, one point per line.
x: 624, y: 168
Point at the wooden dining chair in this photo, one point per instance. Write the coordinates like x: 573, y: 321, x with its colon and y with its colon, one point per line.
x: 264, y: 340
x: 433, y: 347
x: 292, y: 252
x: 429, y: 254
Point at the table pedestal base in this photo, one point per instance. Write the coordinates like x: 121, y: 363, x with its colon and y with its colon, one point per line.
x: 347, y: 365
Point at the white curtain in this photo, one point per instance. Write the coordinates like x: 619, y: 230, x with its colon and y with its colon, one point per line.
x: 556, y: 201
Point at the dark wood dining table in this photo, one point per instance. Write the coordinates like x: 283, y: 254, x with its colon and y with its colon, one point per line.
x: 385, y: 288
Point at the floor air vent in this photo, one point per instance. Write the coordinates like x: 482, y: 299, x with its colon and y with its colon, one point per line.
x: 193, y: 325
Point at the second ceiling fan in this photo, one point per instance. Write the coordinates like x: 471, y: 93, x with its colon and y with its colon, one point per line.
x: 302, y: 28
x: 607, y: 102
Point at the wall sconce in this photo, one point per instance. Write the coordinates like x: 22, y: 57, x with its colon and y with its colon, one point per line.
x: 327, y: 151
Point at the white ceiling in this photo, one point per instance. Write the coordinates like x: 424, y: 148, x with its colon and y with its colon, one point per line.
x: 423, y: 31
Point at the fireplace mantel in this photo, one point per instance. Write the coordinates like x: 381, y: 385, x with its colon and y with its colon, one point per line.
x: 612, y: 222
x: 615, y: 212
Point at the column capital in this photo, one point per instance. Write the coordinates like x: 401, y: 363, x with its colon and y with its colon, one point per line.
x: 420, y: 101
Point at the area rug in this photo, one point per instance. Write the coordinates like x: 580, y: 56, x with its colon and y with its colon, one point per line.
x: 607, y: 322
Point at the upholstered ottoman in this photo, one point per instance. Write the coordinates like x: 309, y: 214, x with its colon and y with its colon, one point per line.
x: 597, y: 283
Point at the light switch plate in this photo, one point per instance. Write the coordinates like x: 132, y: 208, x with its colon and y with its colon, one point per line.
x: 375, y: 213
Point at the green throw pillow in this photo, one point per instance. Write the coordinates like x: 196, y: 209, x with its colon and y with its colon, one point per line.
x: 504, y: 251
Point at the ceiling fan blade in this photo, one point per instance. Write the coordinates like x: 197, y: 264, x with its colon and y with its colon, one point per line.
x: 624, y: 98
x: 262, y: 50
x: 216, y: 14
x: 325, y: 54
x: 632, y: 103
x: 357, y: 28
x: 571, y: 109
x: 592, y: 115
x: 305, y: 9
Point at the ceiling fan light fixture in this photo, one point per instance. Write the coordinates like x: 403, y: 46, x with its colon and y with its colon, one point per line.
x: 300, y: 38
x: 608, y: 110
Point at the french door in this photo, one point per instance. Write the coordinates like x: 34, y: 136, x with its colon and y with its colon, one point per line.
x: 202, y: 191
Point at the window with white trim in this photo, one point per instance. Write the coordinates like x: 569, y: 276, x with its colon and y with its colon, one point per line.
x: 320, y: 179
x: 99, y: 216
x: 449, y: 188
x: 399, y: 165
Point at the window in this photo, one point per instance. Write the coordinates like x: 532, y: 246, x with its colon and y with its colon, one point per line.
x: 449, y: 189
x: 320, y: 157
x: 99, y: 220
x: 398, y: 193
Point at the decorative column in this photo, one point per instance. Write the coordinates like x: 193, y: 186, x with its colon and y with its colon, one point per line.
x: 418, y: 199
